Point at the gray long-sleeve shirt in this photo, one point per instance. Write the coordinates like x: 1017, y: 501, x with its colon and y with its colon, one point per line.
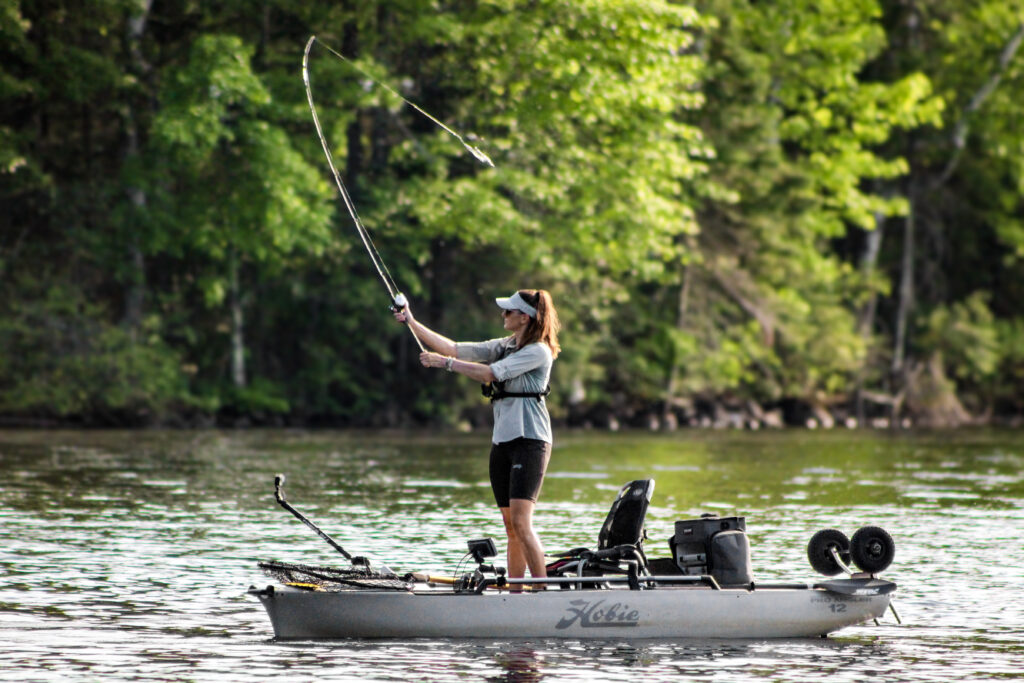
x: 525, y: 370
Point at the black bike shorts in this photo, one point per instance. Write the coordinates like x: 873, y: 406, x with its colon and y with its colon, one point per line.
x: 517, y: 469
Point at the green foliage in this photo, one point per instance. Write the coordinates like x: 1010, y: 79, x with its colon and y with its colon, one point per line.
x: 62, y: 359
x: 259, y: 396
x: 693, y: 183
x: 240, y: 186
x: 576, y: 104
x: 1010, y: 375
x: 796, y: 131
x: 965, y: 334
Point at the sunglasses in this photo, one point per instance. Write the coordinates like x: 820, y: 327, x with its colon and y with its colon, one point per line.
x: 505, y: 312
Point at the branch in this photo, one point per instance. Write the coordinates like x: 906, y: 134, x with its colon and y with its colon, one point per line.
x: 963, y: 125
x: 733, y: 286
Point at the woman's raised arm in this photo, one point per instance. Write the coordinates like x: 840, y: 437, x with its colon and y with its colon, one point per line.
x: 438, y: 342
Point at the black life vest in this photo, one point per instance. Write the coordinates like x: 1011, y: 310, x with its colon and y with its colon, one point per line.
x: 496, y: 390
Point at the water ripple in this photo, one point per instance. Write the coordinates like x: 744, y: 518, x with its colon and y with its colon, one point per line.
x: 126, y: 556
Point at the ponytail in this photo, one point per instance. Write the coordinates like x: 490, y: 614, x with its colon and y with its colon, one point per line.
x: 545, y: 327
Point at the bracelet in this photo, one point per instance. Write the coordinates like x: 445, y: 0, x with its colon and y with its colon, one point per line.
x: 448, y: 363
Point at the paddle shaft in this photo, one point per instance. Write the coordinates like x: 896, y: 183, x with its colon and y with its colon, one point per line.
x: 279, y: 495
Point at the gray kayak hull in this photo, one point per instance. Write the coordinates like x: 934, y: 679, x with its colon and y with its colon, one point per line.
x: 665, y: 612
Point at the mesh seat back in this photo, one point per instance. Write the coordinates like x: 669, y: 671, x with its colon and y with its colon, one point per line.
x: 625, y: 522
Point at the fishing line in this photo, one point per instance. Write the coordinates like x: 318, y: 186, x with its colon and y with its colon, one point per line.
x: 398, y: 299
x: 475, y: 151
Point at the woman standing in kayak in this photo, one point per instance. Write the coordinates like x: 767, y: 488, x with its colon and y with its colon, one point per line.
x: 518, y: 368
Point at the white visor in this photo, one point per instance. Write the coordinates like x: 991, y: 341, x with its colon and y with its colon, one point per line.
x: 516, y: 303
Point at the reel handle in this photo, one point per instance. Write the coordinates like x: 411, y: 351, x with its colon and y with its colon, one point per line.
x: 399, y: 302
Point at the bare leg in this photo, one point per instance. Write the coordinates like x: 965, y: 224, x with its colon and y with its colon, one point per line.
x: 515, y: 559
x: 521, y: 514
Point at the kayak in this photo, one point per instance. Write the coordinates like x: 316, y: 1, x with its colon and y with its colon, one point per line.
x: 666, y: 611
x: 704, y: 590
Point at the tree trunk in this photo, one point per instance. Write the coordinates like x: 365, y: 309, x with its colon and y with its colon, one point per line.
x: 668, y: 417
x: 906, y: 294
x: 931, y: 397
x: 237, y: 327
x: 868, y: 264
x: 963, y: 125
x: 866, y: 319
x: 135, y: 295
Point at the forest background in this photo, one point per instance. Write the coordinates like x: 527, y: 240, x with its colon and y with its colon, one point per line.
x: 748, y: 213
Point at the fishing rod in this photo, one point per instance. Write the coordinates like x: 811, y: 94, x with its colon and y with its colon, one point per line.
x: 398, y: 300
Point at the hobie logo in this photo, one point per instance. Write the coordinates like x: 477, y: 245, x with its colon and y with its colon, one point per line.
x: 593, y: 615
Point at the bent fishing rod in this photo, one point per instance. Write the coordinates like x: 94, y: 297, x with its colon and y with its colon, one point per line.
x: 398, y: 300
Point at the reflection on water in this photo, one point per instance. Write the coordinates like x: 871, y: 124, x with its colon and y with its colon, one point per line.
x: 126, y: 555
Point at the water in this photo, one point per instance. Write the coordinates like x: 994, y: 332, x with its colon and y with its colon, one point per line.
x: 126, y: 555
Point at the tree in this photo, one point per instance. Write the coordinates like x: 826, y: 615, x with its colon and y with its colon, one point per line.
x: 769, y: 306
x: 233, y: 191
x: 732, y: 203
x: 961, y: 236
x: 578, y: 104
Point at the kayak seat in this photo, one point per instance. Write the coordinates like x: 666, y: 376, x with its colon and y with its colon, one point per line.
x: 620, y: 540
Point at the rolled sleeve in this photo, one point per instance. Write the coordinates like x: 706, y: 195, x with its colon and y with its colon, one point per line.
x: 481, y: 352
x: 528, y: 358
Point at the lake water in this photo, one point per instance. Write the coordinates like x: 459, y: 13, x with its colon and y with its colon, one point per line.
x: 127, y: 555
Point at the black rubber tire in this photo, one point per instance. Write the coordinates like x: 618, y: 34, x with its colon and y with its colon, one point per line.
x: 872, y: 548
x: 818, y: 551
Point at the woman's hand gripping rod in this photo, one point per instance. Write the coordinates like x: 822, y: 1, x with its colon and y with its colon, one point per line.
x: 398, y: 304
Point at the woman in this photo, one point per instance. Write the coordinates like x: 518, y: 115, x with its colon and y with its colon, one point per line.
x: 518, y: 368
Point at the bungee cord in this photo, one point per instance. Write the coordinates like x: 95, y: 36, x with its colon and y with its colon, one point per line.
x: 398, y: 299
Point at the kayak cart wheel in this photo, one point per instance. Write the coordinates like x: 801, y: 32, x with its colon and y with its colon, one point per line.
x: 872, y: 548
x: 820, y: 547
